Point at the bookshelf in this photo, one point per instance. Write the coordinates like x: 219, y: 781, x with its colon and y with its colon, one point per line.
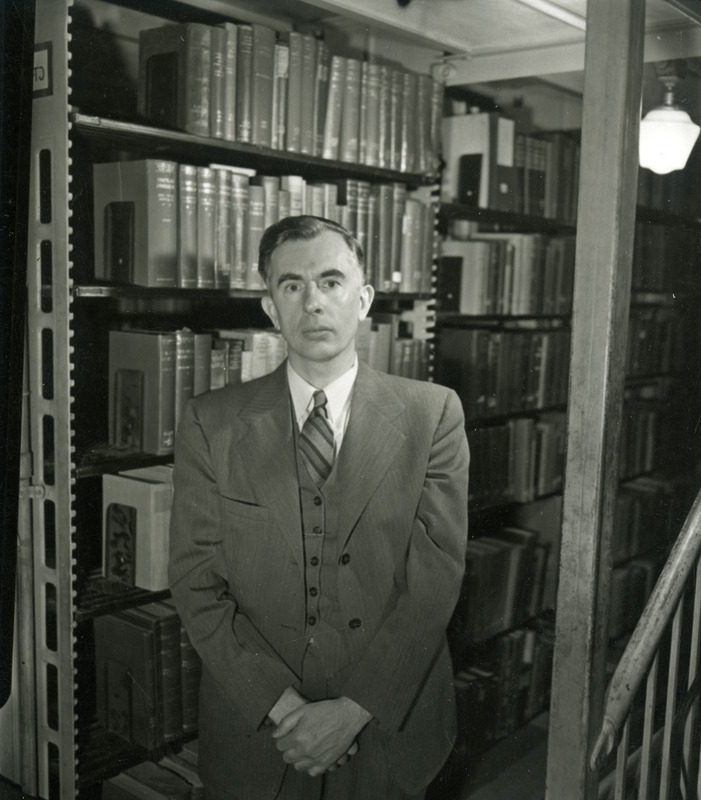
x: 90, y: 117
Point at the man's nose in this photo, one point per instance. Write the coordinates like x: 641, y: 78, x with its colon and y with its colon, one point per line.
x: 312, y: 299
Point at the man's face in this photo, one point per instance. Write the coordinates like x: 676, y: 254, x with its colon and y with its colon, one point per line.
x: 317, y: 298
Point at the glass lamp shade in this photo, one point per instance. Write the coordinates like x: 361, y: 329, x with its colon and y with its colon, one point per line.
x: 667, y: 136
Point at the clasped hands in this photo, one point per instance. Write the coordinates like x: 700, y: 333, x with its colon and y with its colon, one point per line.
x: 318, y: 737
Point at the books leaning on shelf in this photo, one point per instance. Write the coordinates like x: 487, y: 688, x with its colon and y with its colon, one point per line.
x: 163, y: 224
x: 490, y: 165
x: 287, y: 91
x: 147, y: 674
x: 507, y: 274
x: 150, y: 781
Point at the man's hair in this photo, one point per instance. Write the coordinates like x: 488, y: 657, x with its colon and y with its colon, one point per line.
x: 304, y: 227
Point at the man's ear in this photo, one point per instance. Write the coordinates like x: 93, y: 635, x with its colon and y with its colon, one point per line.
x: 269, y: 308
x: 367, y: 293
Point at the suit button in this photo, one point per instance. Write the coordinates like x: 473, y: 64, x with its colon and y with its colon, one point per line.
x: 345, y: 558
x: 313, y: 591
x: 316, y: 529
x: 318, y: 501
x: 354, y: 623
x: 311, y: 620
x: 314, y: 561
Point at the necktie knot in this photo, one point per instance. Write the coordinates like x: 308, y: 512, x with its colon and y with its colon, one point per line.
x: 320, y: 402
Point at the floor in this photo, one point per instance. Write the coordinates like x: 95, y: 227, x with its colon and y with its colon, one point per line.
x: 515, y: 768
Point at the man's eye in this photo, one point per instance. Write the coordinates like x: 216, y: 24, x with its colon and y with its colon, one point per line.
x: 331, y: 283
x: 290, y: 288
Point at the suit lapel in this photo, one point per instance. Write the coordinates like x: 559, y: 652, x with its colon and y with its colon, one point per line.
x: 370, y: 444
x: 267, y: 453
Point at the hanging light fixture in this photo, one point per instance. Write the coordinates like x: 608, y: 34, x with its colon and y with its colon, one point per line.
x: 667, y: 133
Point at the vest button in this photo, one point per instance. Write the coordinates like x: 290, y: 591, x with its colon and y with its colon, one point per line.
x: 314, y: 561
x: 354, y: 623
x: 345, y: 558
x: 316, y: 529
x: 313, y: 591
x: 318, y: 501
x: 311, y: 621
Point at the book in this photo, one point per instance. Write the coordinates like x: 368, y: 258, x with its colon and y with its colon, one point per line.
x: 147, y: 781
x: 350, y: 113
x: 184, y: 371
x: 371, y: 131
x: 206, y: 227
x: 396, y: 100
x: 321, y: 95
x: 187, y: 227
x: 411, y: 118
x: 223, y: 232
x: 261, y: 89
x: 174, y: 77
x: 141, y: 403
x: 164, y: 622
x: 135, y: 528
x: 281, y: 76
x: 244, y: 74
x: 217, y: 82
x: 384, y: 148
x: 230, y: 59
x: 239, y: 225
x: 294, y: 93
x: 334, y: 106
x: 256, y: 225
x: 178, y: 765
x: 191, y: 671
x: 125, y: 681
x: 307, y: 129
x: 136, y: 222
x: 271, y: 193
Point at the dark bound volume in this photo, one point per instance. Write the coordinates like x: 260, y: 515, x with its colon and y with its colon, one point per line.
x: 174, y: 76
x: 136, y: 222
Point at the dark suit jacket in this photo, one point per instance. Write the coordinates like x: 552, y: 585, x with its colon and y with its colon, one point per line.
x: 237, y: 572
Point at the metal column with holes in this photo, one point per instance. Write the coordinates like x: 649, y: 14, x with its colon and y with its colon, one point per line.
x: 50, y: 421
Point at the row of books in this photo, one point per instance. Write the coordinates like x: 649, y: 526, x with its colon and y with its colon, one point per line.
x: 489, y: 165
x: 507, y: 273
x: 631, y: 586
x: 505, y: 575
x: 163, y: 224
x: 518, y: 461
x: 502, y: 370
x: 646, y: 516
x: 251, y: 84
x: 655, y: 344
x: 174, y: 777
x: 152, y: 374
x: 147, y: 675
x: 506, y: 683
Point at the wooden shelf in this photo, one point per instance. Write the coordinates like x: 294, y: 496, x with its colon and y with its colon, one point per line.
x: 158, y: 142
x: 523, y: 223
x: 105, y: 597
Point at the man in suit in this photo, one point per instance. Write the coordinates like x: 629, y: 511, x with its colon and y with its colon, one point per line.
x: 317, y: 550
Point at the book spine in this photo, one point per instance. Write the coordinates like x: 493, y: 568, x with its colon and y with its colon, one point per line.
x: 396, y: 118
x: 256, y: 222
x: 217, y: 78
x: 206, y: 225
x: 171, y: 670
x: 187, y: 227
x: 294, y: 94
x: 217, y: 370
x: 321, y: 95
x: 262, y: 67
x: 334, y: 105
x: 156, y: 231
x: 307, y: 131
x: 223, y: 250
x: 161, y: 407
x: 399, y: 199
x: 239, y: 225
x: 350, y: 113
x: 231, y: 48
x: 184, y: 371
x: 202, y: 373
x: 281, y: 73
x: 196, y: 79
x: 371, y: 133
x: 409, y: 122
x: 363, y: 113
x: 384, y: 146
x: 244, y: 70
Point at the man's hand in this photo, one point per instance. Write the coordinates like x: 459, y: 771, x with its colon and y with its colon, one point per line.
x: 318, y: 737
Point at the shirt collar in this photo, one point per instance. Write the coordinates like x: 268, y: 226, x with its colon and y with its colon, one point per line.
x: 337, y: 392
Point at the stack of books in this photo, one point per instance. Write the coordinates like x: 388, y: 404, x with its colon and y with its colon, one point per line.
x: 162, y: 224
x: 251, y: 84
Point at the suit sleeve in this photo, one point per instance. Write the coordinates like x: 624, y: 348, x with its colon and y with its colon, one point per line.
x: 392, y: 671
x: 244, y: 664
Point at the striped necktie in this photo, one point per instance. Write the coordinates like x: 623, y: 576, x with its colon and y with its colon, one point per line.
x: 316, y: 441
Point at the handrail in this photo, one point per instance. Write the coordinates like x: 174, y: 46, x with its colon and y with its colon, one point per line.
x: 646, y: 637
